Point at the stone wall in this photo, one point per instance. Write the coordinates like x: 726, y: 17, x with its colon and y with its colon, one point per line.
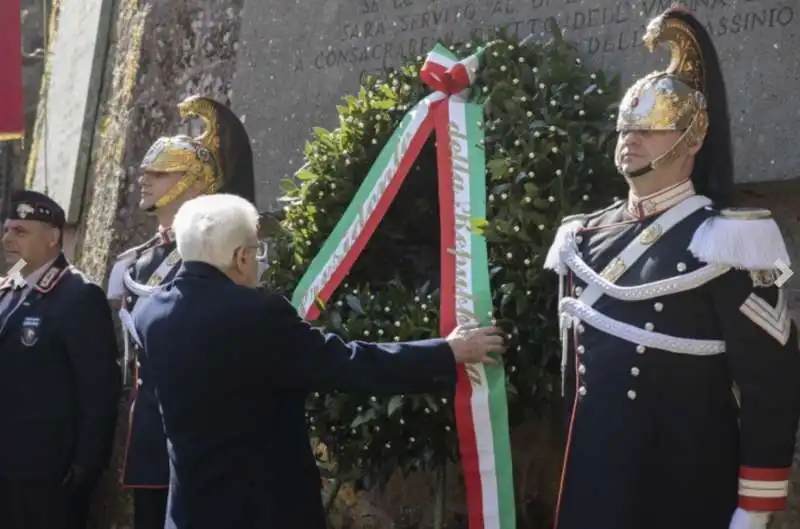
x: 162, y: 52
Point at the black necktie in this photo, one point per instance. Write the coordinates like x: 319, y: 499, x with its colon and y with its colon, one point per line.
x: 13, y: 301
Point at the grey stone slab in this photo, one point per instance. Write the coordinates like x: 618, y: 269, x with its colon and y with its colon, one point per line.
x: 76, y: 63
x: 297, y: 59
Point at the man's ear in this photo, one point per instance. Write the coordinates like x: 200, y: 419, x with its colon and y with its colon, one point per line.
x: 694, y: 149
x: 240, y: 257
x: 54, y: 238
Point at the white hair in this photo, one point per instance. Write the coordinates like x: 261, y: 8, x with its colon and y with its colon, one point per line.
x: 210, y: 228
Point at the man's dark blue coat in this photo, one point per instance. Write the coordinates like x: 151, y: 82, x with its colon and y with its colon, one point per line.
x: 232, y: 369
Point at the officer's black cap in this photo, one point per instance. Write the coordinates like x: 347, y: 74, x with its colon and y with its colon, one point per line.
x: 32, y: 205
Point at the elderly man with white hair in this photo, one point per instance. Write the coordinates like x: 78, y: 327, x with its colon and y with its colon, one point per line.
x: 232, y: 367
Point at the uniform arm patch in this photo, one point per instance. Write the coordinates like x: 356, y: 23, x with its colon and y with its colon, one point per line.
x: 775, y: 321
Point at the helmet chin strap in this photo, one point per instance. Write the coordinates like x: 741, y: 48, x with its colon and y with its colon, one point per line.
x: 638, y: 172
x: 175, y: 191
x: 666, y: 157
x: 633, y: 174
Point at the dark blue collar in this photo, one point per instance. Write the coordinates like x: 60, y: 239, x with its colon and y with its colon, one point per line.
x: 200, y: 269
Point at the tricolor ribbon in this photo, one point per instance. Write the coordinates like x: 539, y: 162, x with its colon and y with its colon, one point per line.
x: 480, y: 404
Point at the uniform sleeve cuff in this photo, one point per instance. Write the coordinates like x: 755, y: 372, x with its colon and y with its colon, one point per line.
x: 763, y: 489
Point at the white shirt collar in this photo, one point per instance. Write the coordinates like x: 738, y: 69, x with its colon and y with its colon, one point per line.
x: 642, y: 207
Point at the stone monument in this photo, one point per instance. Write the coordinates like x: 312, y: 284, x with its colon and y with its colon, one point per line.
x: 296, y: 60
x: 66, y: 126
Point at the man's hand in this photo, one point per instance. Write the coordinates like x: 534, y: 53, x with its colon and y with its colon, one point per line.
x: 471, y: 346
x: 749, y: 520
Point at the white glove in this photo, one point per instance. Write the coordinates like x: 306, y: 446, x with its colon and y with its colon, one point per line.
x: 749, y: 520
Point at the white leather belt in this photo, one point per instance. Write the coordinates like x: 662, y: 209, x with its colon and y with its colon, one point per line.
x: 579, y: 311
x: 164, y: 269
x: 654, y: 289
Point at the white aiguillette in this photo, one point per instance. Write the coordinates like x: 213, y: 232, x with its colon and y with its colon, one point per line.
x: 126, y: 319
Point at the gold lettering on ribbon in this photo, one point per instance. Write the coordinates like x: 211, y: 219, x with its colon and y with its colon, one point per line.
x: 474, y: 375
x: 465, y: 299
x: 363, y: 215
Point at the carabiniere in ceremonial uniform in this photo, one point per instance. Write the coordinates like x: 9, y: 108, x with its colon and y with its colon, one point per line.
x: 145, y: 459
x: 219, y: 160
x: 680, y: 358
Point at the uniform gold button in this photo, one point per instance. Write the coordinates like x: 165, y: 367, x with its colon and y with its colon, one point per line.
x: 582, y: 369
x: 649, y: 326
x: 658, y: 306
x: 635, y: 371
x: 582, y: 391
x: 581, y: 349
x: 640, y: 349
x: 139, y: 382
x: 580, y: 329
x: 631, y: 394
x: 578, y: 291
x: 681, y: 267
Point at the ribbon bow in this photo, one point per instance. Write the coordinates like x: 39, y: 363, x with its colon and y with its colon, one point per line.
x: 444, y: 74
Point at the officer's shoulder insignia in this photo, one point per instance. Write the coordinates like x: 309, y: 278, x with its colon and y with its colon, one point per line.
x: 745, y: 239
x: 51, y: 278
x: 773, y: 319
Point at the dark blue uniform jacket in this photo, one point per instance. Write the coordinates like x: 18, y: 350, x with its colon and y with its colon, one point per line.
x: 232, y: 367
x: 59, y: 379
